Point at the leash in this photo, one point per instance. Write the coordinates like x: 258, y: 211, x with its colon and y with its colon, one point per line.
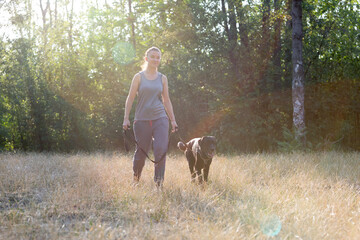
x: 182, y: 140
x: 138, y: 146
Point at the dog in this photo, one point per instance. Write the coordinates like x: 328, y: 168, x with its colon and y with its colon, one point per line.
x: 199, y: 153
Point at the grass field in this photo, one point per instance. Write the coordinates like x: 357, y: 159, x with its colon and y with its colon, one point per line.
x: 260, y: 196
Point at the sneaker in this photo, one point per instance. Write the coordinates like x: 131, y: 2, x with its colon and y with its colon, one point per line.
x: 135, y: 181
x: 159, y: 186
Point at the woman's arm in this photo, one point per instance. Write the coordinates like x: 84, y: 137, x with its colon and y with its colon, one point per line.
x: 167, y: 103
x: 130, y: 99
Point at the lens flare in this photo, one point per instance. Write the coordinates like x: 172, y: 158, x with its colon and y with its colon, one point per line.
x: 271, y: 225
x: 123, y: 53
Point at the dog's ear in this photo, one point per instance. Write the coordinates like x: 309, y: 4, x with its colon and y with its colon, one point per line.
x: 200, y: 141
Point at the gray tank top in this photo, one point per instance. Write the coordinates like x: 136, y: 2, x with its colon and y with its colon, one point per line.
x: 150, y: 105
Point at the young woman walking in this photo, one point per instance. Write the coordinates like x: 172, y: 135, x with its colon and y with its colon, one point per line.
x: 152, y: 114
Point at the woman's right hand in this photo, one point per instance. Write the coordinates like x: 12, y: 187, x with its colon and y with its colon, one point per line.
x: 126, y: 124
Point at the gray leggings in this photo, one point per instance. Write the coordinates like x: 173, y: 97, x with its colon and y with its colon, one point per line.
x: 147, y: 132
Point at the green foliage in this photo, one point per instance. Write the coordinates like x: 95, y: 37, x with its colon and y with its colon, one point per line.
x: 62, y: 90
x: 290, y: 143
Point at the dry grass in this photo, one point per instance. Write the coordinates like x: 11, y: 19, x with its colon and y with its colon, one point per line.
x: 50, y: 196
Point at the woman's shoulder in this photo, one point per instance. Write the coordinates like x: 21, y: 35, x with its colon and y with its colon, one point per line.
x: 138, y: 74
x: 162, y: 76
x: 137, y: 77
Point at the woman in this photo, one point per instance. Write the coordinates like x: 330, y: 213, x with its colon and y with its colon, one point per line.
x: 151, y: 122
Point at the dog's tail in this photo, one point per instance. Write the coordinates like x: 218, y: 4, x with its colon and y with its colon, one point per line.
x: 181, y: 146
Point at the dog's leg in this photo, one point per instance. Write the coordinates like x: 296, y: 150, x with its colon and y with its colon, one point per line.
x: 199, y: 174
x: 206, y: 172
x: 193, y: 173
x: 191, y: 161
x: 199, y: 164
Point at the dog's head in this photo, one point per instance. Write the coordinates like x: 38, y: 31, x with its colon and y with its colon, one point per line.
x: 208, y: 146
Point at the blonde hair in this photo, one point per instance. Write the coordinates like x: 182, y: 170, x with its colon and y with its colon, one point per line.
x: 144, y: 65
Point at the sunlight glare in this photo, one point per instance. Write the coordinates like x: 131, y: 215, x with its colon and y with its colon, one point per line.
x: 271, y: 225
x: 123, y: 53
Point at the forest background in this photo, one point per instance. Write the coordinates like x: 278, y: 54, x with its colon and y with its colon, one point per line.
x: 66, y: 68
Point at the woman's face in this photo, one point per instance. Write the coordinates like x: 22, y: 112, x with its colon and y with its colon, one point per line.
x: 153, y: 58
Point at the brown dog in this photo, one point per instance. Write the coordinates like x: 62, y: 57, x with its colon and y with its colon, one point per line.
x: 199, y: 153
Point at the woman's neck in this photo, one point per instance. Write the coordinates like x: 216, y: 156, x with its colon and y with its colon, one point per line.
x: 151, y: 70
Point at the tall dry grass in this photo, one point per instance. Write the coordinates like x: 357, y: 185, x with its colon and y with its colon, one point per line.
x: 80, y: 196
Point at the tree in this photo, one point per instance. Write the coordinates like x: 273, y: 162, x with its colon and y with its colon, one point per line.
x: 298, y: 90
x: 229, y: 65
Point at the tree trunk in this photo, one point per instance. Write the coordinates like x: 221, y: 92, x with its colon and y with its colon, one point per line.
x: 265, y: 47
x: 232, y: 34
x: 35, y: 108
x: 298, y: 72
x: 43, y: 13
x: 55, y: 12
x: 244, y: 38
x: 132, y: 20
x: 287, y: 48
x: 29, y: 12
x: 265, y: 27
x: 245, y: 56
x: 277, y: 46
x: 225, y: 18
x: 71, y: 26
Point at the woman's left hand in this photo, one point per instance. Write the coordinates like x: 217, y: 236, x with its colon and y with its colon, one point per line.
x: 174, y: 126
